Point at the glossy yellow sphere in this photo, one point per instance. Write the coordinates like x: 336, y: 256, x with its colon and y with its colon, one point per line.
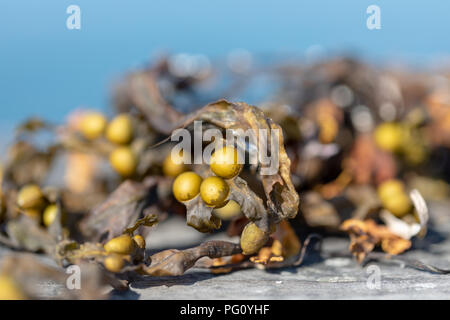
x: 394, y: 198
x: 229, y: 211
x: 224, y: 162
x: 214, y: 191
x: 399, y: 205
x: 123, y: 244
x: 253, y: 239
x: 390, y: 188
x: 173, y: 165
x: 114, y: 262
x: 50, y: 214
x: 9, y: 289
x: 389, y: 136
x: 92, y: 125
x: 328, y: 128
x: 120, y: 129
x: 30, y: 197
x: 140, y: 241
x: 123, y: 160
x: 186, y: 186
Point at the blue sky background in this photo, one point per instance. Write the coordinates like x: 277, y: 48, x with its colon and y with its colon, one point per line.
x: 47, y: 69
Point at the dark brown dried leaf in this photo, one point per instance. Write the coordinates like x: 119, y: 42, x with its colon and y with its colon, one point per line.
x: 120, y: 210
x: 251, y: 205
x: 142, y: 91
x: 199, y: 215
x: 30, y: 274
x: 175, y: 262
x: 26, y: 234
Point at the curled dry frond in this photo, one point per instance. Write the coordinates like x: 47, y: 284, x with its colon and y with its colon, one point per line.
x: 365, y: 235
x: 281, y: 198
x: 122, y: 208
x: 175, y: 262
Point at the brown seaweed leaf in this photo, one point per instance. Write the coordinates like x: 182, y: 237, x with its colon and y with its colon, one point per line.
x: 33, y: 277
x: 365, y: 235
x: 71, y: 141
x: 366, y: 163
x: 147, y: 221
x: 120, y: 210
x: 283, y: 250
x: 200, y: 217
x: 274, y: 257
x: 26, y: 164
x: 289, y: 243
x: 175, y: 262
x: 251, y: 204
x: 318, y: 212
x: 26, y: 234
x: 142, y: 91
x: 282, y: 199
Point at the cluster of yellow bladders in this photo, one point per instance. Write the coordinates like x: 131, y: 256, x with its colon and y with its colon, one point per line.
x: 214, y: 191
x: 32, y: 202
x: 119, y: 131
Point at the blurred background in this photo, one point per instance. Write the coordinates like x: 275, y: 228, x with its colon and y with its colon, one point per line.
x: 48, y: 70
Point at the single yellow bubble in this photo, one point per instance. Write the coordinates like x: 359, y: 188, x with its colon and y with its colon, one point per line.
x: 229, y: 211
x: 50, y: 214
x: 123, y: 244
x: 390, y: 188
x: 120, y: 130
x: 114, y: 263
x: 30, y: 196
x: 214, y: 191
x: 173, y: 166
x: 389, y: 136
x: 92, y: 125
x: 186, y: 186
x: 398, y: 205
x: 140, y: 241
x: 224, y: 162
x: 253, y: 239
x: 123, y: 161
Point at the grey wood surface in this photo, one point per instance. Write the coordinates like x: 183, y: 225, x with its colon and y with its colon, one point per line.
x: 317, y: 278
